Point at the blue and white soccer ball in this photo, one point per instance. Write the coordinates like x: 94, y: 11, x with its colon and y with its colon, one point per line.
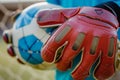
x: 28, y: 37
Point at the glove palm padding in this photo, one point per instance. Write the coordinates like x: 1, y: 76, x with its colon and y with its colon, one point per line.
x: 92, y: 30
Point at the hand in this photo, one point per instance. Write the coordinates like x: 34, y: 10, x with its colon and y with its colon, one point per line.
x: 25, y: 52
x: 92, y: 31
x: 7, y: 37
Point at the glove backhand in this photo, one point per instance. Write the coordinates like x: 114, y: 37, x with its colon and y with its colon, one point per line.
x: 92, y: 30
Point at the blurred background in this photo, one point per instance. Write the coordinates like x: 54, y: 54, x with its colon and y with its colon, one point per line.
x: 10, y: 69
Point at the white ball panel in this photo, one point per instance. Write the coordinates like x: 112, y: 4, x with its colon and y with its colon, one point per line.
x: 17, y: 34
x: 34, y: 28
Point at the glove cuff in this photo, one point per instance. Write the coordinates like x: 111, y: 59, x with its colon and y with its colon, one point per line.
x: 112, y: 7
x: 100, y: 15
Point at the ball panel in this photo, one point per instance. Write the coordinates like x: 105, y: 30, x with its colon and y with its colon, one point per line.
x: 29, y: 40
x: 16, y: 35
x: 37, y: 45
x: 34, y: 28
x: 29, y: 47
x: 23, y: 44
x: 33, y: 61
x: 37, y: 57
x: 26, y: 17
x: 24, y: 54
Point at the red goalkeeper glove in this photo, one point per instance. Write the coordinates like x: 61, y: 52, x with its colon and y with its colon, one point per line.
x: 92, y: 31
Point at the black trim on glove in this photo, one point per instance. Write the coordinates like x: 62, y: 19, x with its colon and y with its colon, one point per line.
x: 112, y: 7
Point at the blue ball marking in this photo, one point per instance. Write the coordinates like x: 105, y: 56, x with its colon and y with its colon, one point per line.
x: 50, y: 30
x: 29, y: 48
x: 26, y: 17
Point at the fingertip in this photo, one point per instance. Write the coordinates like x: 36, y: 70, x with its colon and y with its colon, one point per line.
x: 10, y: 50
x: 63, y: 66
x: 104, y: 71
x: 20, y: 61
x: 7, y: 36
x: 47, y: 56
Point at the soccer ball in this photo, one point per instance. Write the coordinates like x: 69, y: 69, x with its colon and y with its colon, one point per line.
x: 27, y: 36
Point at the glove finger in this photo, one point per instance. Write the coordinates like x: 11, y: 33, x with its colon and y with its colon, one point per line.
x: 70, y: 53
x: 55, y: 41
x: 10, y: 50
x: 106, y: 67
x: 7, y: 36
x: 55, y: 16
x: 20, y: 61
x: 90, y: 55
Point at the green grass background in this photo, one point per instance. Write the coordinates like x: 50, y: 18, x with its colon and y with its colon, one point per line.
x: 10, y: 69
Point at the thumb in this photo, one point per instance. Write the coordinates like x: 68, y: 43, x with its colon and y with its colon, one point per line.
x: 55, y: 16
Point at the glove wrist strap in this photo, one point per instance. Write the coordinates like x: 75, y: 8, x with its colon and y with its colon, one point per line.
x: 112, y: 7
x: 100, y: 14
